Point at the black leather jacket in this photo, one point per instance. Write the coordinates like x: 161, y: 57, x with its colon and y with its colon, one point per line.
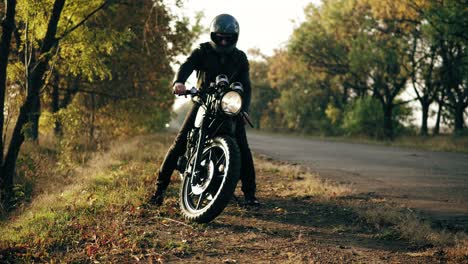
x: 209, y: 64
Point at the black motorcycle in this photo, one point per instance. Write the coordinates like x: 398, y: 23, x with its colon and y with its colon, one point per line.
x: 210, y: 168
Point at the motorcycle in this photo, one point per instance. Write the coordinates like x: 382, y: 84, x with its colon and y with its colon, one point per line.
x: 210, y: 167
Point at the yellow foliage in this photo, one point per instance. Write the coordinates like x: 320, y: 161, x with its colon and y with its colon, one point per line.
x: 333, y: 113
x: 397, y: 9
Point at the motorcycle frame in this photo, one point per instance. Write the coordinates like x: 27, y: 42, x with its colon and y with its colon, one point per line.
x: 206, y: 124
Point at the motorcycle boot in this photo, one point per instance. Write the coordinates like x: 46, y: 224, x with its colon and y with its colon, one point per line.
x: 163, y: 182
x: 251, y: 200
x: 158, y: 197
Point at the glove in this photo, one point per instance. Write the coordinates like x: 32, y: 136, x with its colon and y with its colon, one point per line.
x: 179, y: 88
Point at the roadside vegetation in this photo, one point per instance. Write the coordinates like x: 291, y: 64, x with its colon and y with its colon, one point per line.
x: 99, y: 212
x: 367, y: 69
x: 448, y: 143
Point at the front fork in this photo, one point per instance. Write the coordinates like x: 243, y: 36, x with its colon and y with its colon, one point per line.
x: 196, y: 168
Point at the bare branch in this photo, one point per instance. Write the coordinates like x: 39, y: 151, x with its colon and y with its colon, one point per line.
x: 86, y: 18
x: 407, y: 101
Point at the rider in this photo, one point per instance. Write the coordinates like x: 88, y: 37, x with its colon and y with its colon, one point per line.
x: 219, y: 56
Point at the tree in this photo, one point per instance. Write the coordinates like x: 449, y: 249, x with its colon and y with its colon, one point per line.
x: 388, y: 76
x: 115, y: 55
x: 325, y: 42
x: 360, y: 51
x: 303, y: 96
x: 34, y: 83
x: 8, y: 24
x: 445, y: 24
x: 441, y: 27
x: 425, y: 76
x: 262, y: 93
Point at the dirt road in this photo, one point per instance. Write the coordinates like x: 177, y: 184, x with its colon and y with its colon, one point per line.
x: 432, y: 182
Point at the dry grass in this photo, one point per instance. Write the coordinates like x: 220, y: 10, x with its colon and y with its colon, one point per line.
x: 435, y: 143
x: 300, y: 181
x: 97, y: 198
x: 449, y: 143
x: 396, y: 222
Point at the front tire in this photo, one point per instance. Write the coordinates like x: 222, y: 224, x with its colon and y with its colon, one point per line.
x: 201, y: 202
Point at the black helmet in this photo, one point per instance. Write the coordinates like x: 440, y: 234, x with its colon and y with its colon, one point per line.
x: 225, y: 27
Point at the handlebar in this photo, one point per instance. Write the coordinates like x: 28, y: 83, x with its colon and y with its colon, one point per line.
x: 193, y: 91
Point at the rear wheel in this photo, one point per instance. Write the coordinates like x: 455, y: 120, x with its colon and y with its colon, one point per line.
x: 203, y: 200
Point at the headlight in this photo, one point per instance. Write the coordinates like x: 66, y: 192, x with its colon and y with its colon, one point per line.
x: 231, y: 103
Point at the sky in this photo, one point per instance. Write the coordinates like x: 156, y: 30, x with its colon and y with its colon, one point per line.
x: 264, y: 24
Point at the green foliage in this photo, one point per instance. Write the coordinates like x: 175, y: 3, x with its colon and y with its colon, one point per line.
x: 76, y: 141
x: 35, y: 164
x: 364, y: 117
x: 132, y: 116
x: 334, y: 114
x: 262, y: 92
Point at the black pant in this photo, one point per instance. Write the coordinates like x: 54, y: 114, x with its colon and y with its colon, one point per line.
x: 180, y: 143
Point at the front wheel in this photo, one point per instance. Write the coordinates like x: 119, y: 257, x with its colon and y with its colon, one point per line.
x: 203, y: 200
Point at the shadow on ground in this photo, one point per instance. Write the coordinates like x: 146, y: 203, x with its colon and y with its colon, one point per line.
x: 310, y: 219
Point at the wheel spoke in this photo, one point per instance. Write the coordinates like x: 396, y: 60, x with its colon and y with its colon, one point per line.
x: 199, y: 201
x: 209, y: 154
x: 220, y: 160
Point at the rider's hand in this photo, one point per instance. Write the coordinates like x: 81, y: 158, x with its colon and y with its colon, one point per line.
x: 179, y: 88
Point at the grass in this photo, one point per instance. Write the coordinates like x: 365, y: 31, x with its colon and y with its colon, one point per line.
x: 100, y: 197
x: 100, y: 215
x: 301, y: 181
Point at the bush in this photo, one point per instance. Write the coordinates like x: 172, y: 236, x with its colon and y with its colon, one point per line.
x: 364, y: 117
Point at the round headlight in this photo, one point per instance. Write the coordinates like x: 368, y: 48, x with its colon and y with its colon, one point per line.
x: 231, y: 103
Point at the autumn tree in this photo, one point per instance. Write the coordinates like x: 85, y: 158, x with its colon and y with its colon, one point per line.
x: 263, y: 94
x: 71, y: 49
x: 449, y: 20
x: 303, y: 96
x: 440, y: 40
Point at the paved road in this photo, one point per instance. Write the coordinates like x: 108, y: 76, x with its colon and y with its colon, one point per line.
x: 434, y: 182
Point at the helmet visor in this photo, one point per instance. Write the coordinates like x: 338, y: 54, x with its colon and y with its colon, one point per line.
x: 224, y: 39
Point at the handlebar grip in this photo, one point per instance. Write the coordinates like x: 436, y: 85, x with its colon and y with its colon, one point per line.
x: 192, y: 91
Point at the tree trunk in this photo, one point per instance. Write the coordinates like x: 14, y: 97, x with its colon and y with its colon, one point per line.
x: 425, y: 116
x: 17, y: 138
x: 34, y: 119
x: 93, y: 117
x: 388, y: 121
x: 459, y: 121
x: 437, y: 124
x: 70, y: 92
x: 55, y: 106
x: 8, y: 25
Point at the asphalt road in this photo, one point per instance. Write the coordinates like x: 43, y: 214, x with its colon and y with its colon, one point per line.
x: 431, y: 182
